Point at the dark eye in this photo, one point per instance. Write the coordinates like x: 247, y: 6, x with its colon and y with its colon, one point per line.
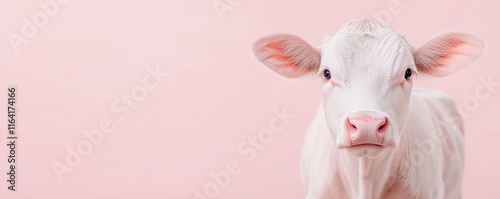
x: 326, y: 74
x: 408, y: 74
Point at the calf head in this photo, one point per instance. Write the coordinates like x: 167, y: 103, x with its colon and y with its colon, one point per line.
x: 368, y: 72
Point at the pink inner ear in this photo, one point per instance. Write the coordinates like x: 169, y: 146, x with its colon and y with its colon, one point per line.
x: 283, y: 62
x: 445, y: 54
x: 277, y: 53
x: 287, y: 55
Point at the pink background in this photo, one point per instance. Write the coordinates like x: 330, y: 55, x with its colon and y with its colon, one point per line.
x: 216, y: 95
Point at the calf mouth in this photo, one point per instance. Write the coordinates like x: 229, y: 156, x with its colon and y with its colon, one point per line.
x: 366, y: 145
x: 369, y: 150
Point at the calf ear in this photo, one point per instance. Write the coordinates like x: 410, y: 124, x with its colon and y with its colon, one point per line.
x: 448, y: 52
x: 287, y: 55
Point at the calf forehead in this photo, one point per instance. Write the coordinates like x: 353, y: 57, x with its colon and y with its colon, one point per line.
x: 368, y: 45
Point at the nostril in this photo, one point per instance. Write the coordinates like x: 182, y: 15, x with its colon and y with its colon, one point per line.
x: 351, y: 126
x: 368, y: 125
x: 383, y: 126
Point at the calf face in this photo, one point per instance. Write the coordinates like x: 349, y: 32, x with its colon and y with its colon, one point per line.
x: 368, y: 72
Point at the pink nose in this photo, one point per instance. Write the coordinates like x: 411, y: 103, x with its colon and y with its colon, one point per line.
x: 367, y: 130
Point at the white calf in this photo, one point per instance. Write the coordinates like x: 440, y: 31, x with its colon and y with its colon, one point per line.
x: 374, y: 136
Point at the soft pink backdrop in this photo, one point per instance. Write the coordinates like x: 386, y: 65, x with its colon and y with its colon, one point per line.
x: 216, y: 95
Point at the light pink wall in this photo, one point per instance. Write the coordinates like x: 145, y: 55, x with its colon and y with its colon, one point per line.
x: 216, y: 95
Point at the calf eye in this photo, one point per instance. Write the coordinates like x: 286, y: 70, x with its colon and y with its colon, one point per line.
x: 408, y: 74
x: 326, y: 74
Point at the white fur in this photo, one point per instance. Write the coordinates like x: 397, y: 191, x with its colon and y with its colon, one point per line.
x: 367, y: 62
x: 415, y: 169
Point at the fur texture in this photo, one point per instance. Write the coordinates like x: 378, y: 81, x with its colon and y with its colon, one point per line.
x: 372, y: 71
